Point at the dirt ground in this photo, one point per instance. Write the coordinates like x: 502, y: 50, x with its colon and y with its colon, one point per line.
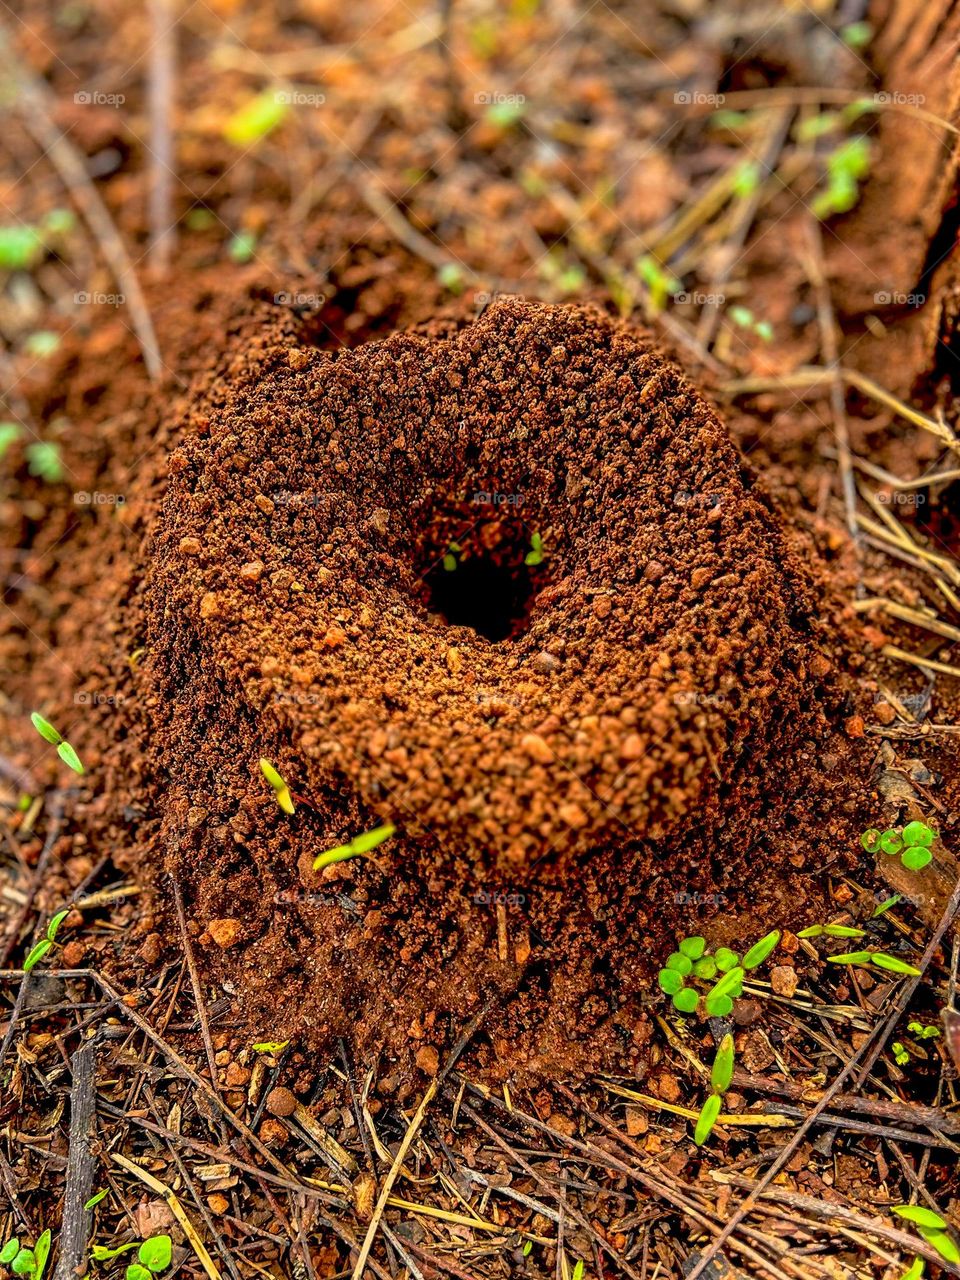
x: 511, y: 444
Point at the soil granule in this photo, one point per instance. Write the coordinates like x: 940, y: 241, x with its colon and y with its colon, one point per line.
x: 340, y: 582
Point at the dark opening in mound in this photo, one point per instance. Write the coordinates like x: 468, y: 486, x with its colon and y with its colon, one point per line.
x: 486, y: 595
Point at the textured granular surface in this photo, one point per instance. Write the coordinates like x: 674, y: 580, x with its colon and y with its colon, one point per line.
x: 573, y: 748
x: 321, y: 558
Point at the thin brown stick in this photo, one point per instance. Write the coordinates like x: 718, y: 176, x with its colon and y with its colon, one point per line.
x: 160, y: 96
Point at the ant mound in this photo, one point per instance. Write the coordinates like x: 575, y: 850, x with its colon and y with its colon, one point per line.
x: 508, y: 586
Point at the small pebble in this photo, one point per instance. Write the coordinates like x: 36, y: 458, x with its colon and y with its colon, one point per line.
x: 281, y: 1102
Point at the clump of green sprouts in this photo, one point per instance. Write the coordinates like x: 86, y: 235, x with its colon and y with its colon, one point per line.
x: 692, y: 961
x: 280, y: 788
x: 356, y: 848
x: 905, y: 1050
x: 56, y: 739
x: 912, y: 843
x: 24, y: 1260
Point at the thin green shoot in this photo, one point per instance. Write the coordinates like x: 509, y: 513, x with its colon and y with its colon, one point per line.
x: 357, y: 847
x: 280, y: 789
x: 64, y: 750
x: 37, y: 952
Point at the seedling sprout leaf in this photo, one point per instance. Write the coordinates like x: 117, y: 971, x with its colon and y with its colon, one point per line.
x: 894, y: 965
x: 916, y: 857
x: 722, y: 1072
x: 41, y: 1252
x: 670, y: 981
x: 707, y: 1119
x: 693, y: 947
x: 56, y: 922
x: 920, y: 1216
x: 918, y: 833
x: 45, y: 729
x: 37, y: 954
x: 943, y: 1244
x: 686, y: 1000
x: 69, y: 757
x: 760, y: 950
x: 155, y: 1253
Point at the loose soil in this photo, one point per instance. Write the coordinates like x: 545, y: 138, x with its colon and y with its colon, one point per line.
x: 577, y: 754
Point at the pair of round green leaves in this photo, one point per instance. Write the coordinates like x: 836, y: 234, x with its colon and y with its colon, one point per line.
x: 912, y: 843
x: 56, y: 739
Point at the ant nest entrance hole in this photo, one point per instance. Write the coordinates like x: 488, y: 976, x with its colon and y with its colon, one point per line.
x: 485, y: 574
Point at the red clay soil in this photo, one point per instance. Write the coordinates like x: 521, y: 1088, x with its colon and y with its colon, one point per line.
x: 641, y: 731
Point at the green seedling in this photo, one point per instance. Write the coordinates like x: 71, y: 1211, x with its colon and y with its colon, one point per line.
x: 44, y: 461
x: 56, y: 739
x: 280, y: 788
x: 269, y: 1046
x: 747, y: 179
x: 9, y: 433
x: 744, y: 318
x: 22, y: 247
x: 912, y: 844
x: 856, y: 35
x: 450, y: 560
x: 892, y: 964
x: 451, y: 277
x: 719, y: 999
x: 761, y: 950
x: 358, y: 846
x: 42, y: 344
x: 242, y: 247
x: 564, y: 275
x: 660, y: 283
x: 95, y: 1199
x: 914, y: 1271
x: 503, y: 115
x: 932, y: 1227
x: 535, y: 555
x: 923, y: 1033
x: 24, y: 1261
x: 722, y: 1072
x: 901, y: 1055
x: 831, y: 931
x: 693, y: 961
x: 43, y: 946
x: 886, y: 905
x: 720, y: 1077
x: 847, y: 165
x: 153, y: 1255
x: 257, y: 118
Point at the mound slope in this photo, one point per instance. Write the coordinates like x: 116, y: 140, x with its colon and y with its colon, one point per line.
x: 574, y: 745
